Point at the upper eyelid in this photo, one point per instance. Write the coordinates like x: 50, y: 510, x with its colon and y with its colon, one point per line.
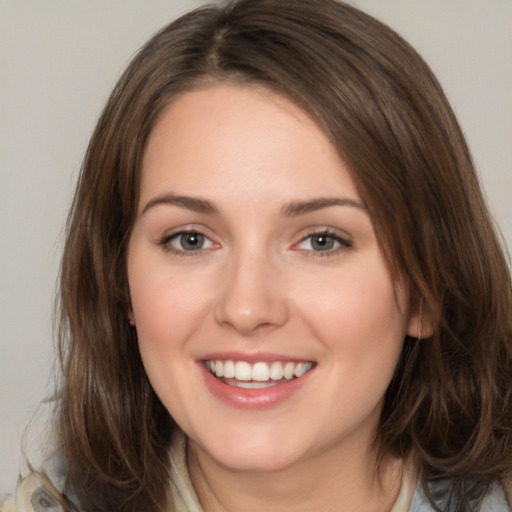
x: 190, y: 228
x: 340, y: 239
x: 334, y: 232
x: 173, y: 234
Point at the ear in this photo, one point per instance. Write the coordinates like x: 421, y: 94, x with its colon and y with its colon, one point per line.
x: 421, y: 324
x: 131, y: 317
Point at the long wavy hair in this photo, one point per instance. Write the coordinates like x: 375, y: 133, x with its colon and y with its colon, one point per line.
x: 449, y: 402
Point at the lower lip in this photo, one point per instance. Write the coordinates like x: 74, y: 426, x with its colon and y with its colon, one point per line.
x: 255, y: 399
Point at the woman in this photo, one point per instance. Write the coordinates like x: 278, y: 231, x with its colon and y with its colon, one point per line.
x: 281, y: 288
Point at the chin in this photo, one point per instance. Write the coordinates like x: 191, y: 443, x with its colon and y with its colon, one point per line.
x: 257, y: 462
x: 254, y: 453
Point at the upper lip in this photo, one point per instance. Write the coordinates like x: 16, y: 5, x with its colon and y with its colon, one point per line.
x: 253, y: 357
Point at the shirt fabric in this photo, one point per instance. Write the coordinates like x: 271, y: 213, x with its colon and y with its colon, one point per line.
x: 410, y: 496
x: 36, y: 493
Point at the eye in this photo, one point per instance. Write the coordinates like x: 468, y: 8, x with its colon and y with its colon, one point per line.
x: 324, y: 242
x: 186, y: 242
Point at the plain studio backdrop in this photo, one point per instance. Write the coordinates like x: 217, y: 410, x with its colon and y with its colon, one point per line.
x: 58, y: 63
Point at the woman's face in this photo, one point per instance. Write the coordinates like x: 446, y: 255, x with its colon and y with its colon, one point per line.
x: 254, y: 257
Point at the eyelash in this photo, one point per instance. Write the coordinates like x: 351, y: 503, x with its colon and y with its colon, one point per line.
x: 166, y: 243
x: 344, y: 244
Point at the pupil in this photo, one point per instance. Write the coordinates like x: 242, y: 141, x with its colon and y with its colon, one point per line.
x: 322, y: 242
x: 191, y: 241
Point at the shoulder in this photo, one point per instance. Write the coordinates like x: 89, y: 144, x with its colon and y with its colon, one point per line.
x: 41, y: 491
x: 493, y: 501
x: 183, y: 493
x: 36, y: 493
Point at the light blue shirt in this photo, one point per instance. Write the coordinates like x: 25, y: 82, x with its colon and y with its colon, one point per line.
x: 494, y: 501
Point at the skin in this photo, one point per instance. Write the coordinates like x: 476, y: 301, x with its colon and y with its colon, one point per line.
x: 259, y: 284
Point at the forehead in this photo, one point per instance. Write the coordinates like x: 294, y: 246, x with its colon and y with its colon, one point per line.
x: 240, y: 140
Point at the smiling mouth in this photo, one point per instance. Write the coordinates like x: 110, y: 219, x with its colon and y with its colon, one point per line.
x: 257, y: 375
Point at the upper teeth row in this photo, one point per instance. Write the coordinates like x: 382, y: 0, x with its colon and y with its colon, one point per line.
x: 260, y: 371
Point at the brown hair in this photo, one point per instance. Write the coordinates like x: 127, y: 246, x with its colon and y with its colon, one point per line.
x: 450, y: 400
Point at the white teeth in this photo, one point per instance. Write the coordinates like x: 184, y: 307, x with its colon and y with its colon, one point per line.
x: 229, y: 369
x: 242, y: 371
x: 253, y: 384
x: 302, y: 368
x: 276, y: 371
x: 219, y: 369
x: 258, y: 372
x: 289, y: 370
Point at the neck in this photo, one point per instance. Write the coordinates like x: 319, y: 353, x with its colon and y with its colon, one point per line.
x: 333, y: 480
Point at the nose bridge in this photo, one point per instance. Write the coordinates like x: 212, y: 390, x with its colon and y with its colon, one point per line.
x: 252, y: 296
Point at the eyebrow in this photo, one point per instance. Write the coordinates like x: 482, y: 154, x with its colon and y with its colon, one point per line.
x: 189, y: 203
x: 296, y: 208
x: 292, y: 209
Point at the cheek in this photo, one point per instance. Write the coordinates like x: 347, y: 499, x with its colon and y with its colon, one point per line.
x: 363, y: 306
x: 167, y: 308
x: 362, y: 324
x: 165, y: 315
x: 166, y: 305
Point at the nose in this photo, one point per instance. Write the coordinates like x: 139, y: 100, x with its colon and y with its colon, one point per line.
x: 252, y: 298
